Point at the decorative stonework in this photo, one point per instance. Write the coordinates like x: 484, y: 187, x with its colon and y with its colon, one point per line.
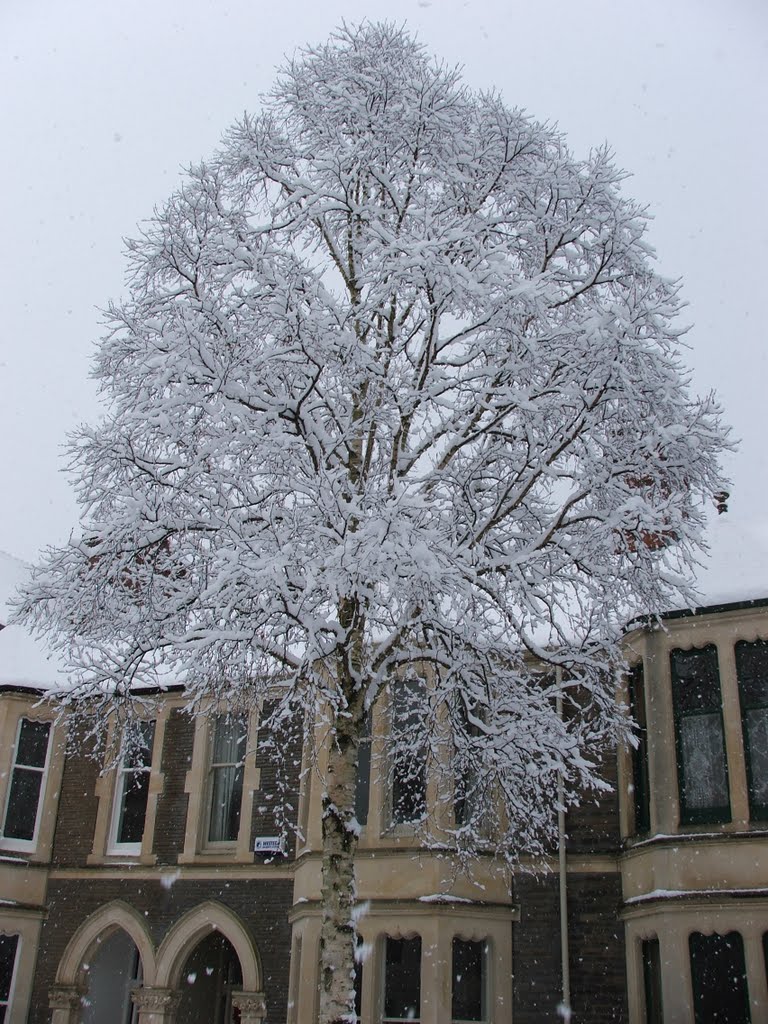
x: 65, y: 997
x: 157, y: 1004
x: 252, y: 1006
x: 65, y: 1003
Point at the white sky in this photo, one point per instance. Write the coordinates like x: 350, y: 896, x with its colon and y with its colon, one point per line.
x: 103, y: 103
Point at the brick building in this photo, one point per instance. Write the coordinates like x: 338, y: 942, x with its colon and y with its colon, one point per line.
x: 148, y: 891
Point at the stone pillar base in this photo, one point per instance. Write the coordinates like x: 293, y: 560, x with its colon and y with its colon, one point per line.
x: 252, y: 1006
x: 64, y: 1002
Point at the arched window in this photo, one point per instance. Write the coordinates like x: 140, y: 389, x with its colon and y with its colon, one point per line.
x: 210, y: 974
x: 113, y: 970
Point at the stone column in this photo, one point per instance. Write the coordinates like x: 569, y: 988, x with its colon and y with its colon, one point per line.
x: 156, y: 1005
x: 252, y: 1006
x: 64, y: 1001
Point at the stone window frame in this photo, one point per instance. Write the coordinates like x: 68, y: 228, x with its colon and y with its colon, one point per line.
x: 196, y: 849
x: 26, y: 924
x: 712, y: 813
x: 437, y: 924
x: 104, y: 850
x: 13, y: 708
x: 723, y: 629
x: 672, y: 923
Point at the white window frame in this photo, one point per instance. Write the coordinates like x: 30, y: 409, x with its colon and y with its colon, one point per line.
x: 211, y: 767
x: 113, y: 846
x: 9, y: 842
x: 8, y: 1004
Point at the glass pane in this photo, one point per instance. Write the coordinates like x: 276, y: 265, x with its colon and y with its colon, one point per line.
x: 23, y: 799
x: 705, y: 780
x: 752, y: 670
x: 719, y: 979
x: 641, y: 791
x: 226, y: 798
x: 409, y: 784
x: 757, y: 747
x: 363, y: 782
x: 358, y: 982
x: 402, y: 981
x: 33, y: 743
x: 138, y: 745
x: 134, y: 806
x: 229, y: 739
x: 468, y: 991
x: 695, y: 679
x: 8, y: 944
x: 409, y: 774
x: 654, y: 1013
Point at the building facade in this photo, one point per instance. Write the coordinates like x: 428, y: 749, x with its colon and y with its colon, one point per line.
x: 141, y: 880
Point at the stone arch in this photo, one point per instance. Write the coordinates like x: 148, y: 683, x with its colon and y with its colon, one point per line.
x: 194, y: 926
x: 103, y: 922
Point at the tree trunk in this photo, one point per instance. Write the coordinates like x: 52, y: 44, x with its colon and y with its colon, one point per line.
x: 338, y: 933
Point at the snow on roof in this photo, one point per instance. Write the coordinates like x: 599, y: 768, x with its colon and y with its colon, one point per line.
x: 24, y: 660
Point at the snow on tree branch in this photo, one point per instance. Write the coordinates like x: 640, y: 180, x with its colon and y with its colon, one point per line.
x: 395, y: 390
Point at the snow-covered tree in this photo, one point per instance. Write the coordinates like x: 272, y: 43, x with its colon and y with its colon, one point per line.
x: 395, y: 394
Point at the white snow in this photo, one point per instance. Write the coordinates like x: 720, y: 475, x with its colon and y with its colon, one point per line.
x: 657, y: 894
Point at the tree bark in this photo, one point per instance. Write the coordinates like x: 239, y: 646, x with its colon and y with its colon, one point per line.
x: 338, y: 933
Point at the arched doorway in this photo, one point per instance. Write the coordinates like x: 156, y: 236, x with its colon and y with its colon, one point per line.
x: 112, y: 971
x: 210, y: 975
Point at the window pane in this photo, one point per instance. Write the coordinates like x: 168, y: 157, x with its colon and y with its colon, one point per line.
x: 696, y: 679
x: 702, y: 767
x: 363, y: 780
x: 705, y: 780
x: 358, y: 980
x: 23, y: 800
x: 641, y: 791
x: 138, y: 745
x: 752, y: 671
x: 226, y: 798
x: 402, y: 979
x: 719, y: 979
x: 8, y: 944
x: 134, y: 806
x: 756, y: 728
x: 409, y: 771
x: 654, y: 1013
x: 33, y: 743
x: 229, y: 739
x: 468, y: 989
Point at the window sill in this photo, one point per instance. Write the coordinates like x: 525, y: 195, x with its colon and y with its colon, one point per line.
x: 218, y: 855
x: 121, y: 857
